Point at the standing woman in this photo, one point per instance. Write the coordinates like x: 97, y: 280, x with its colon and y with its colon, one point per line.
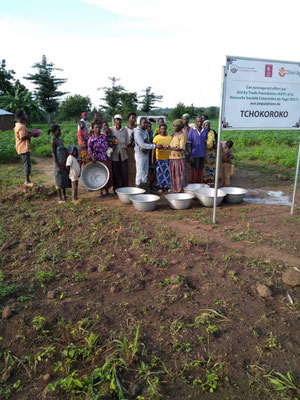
x: 177, y: 148
x: 210, y: 160
x: 162, y: 158
x: 97, y: 148
x: 59, y: 154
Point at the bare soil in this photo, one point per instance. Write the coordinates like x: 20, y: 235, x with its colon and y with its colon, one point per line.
x: 190, y: 287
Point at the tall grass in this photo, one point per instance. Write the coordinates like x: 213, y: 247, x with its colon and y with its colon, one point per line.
x: 268, y: 147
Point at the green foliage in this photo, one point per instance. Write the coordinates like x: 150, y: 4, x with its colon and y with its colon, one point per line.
x: 73, y: 106
x: 6, y: 79
x: 6, y: 289
x: 129, y: 102
x: 148, y: 100
x: 46, y: 84
x: 20, y: 98
x: 112, y: 96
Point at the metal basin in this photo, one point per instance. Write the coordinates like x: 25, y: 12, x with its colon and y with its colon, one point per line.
x: 234, y: 195
x: 144, y: 202
x: 206, y: 196
x: 180, y: 201
x: 94, y: 176
x: 191, y: 187
x: 125, y: 193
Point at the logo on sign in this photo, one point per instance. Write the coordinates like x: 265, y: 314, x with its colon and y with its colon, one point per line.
x: 282, y: 72
x: 268, y: 70
x: 233, y: 68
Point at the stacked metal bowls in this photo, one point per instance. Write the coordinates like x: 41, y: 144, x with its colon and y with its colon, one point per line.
x: 234, y: 195
x: 125, y: 193
x: 191, y: 187
x: 180, y: 201
x: 94, y: 176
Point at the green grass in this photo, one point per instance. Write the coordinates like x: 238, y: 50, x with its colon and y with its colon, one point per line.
x: 269, y: 147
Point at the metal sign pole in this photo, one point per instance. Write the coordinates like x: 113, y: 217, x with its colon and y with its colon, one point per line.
x: 219, y: 146
x: 296, y: 181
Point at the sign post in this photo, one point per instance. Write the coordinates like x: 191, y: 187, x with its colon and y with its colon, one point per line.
x: 219, y: 146
x: 258, y: 94
x: 296, y: 181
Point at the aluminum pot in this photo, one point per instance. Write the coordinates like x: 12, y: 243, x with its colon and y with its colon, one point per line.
x: 94, y: 176
x: 144, y: 202
x: 125, y: 193
x: 234, y: 195
x: 180, y: 201
x: 191, y: 187
x: 206, y: 196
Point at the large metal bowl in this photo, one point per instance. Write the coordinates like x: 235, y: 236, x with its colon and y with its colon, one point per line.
x: 94, y: 176
x: 180, y: 201
x: 125, y: 193
x: 206, y: 196
x: 234, y: 195
x: 144, y: 202
x: 191, y: 187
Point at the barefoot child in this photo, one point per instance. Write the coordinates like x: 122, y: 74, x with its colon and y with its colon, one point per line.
x: 59, y: 154
x: 227, y: 158
x: 73, y: 167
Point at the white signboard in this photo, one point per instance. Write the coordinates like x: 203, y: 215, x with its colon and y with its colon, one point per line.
x: 261, y: 94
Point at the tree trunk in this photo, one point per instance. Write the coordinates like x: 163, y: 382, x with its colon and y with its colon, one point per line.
x: 48, y: 118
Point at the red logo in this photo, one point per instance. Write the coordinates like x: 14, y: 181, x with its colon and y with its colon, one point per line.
x: 268, y: 70
x: 282, y: 72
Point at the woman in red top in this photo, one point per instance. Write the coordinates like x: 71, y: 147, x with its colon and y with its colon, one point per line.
x: 81, y: 134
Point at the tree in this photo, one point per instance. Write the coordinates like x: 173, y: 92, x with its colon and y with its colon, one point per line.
x: 129, y: 102
x: 177, y: 112
x: 148, y: 100
x: 47, y: 85
x: 6, y: 78
x: 112, y: 97
x: 22, y: 99
x: 73, y: 106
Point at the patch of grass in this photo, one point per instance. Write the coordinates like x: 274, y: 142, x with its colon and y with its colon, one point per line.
x: 6, y: 288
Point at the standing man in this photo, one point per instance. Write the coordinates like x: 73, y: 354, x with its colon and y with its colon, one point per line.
x: 130, y: 151
x: 119, y: 155
x: 85, y: 121
x: 22, y: 136
x: 197, y: 139
x: 141, y: 153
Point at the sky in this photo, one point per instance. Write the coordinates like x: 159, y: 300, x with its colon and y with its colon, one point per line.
x: 176, y: 47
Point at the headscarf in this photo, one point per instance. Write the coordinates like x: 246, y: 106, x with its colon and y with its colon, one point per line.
x: 206, y: 121
x: 185, y: 116
x: 179, y: 123
x: 83, y: 113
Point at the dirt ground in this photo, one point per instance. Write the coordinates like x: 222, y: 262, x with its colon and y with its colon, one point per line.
x: 109, y: 303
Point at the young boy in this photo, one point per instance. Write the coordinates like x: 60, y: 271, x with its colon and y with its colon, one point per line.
x: 74, y: 170
x: 227, y: 158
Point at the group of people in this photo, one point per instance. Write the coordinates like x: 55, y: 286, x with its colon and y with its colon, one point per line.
x: 163, y: 161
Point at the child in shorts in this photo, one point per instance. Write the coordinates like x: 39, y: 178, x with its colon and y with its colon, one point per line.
x: 227, y: 158
x: 73, y: 167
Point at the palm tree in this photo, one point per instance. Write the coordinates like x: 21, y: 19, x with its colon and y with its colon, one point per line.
x: 21, y: 99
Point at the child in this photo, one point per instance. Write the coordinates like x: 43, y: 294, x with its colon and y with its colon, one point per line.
x: 81, y: 133
x: 73, y: 167
x: 84, y: 156
x: 227, y: 157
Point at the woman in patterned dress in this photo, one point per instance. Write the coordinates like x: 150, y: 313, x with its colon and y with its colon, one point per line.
x: 97, y: 148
